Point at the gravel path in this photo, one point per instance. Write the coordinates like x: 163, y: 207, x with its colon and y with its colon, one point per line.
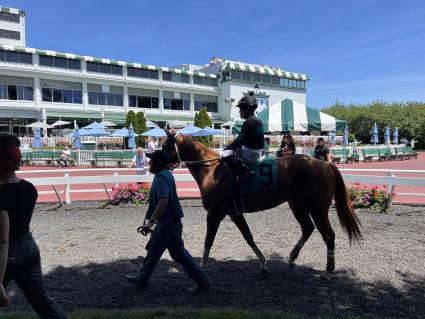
x: 87, y: 251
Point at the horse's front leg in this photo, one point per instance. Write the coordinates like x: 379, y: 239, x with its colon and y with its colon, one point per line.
x: 213, y: 222
x: 243, y: 227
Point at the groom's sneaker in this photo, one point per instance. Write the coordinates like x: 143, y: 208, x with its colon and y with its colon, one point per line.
x: 135, y: 279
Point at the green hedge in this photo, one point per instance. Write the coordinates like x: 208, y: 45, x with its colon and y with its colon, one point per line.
x: 408, y: 117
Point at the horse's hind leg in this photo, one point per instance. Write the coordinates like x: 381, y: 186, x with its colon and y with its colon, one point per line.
x: 243, y: 227
x: 307, y: 227
x: 213, y: 222
x: 328, y: 235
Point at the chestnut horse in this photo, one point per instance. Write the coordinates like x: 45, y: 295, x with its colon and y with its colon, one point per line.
x: 307, y: 184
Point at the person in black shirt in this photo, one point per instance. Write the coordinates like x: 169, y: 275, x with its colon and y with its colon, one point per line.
x: 19, y: 253
x: 321, y: 151
x: 249, y: 143
x: 245, y: 150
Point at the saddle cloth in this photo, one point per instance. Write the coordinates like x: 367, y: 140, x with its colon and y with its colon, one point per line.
x: 264, y: 178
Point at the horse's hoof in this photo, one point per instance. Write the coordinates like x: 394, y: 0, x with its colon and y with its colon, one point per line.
x: 203, y: 266
x: 326, y: 276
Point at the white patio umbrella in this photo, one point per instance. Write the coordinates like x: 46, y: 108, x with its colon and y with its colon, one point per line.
x: 177, y: 124
x: 60, y: 123
x: 39, y: 124
x: 107, y: 123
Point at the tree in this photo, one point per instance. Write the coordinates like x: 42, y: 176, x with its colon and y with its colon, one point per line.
x: 131, y: 118
x: 408, y: 117
x: 140, y: 128
x: 202, y: 119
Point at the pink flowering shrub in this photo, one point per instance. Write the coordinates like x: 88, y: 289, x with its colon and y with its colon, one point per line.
x: 132, y: 194
x: 374, y: 198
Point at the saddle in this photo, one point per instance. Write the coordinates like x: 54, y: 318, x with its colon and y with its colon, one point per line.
x: 243, y: 179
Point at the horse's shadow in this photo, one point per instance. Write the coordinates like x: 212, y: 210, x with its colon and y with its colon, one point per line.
x: 236, y: 284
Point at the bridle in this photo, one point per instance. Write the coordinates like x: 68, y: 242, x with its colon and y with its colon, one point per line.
x: 198, y: 162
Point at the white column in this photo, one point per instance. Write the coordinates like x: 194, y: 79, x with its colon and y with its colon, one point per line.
x: 161, y: 101
x: 192, y: 104
x: 125, y: 100
x: 85, y: 96
x: 83, y: 66
x: 44, y: 119
x: 36, y: 60
x: 37, y: 92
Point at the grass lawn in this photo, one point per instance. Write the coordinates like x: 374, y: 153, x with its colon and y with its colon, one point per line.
x: 165, y: 314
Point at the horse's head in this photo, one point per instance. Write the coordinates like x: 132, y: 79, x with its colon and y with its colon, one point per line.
x: 169, y: 146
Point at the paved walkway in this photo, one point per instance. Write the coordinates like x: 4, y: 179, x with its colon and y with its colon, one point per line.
x: 190, y: 189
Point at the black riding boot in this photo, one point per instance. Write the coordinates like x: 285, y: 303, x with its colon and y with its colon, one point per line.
x: 237, y: 170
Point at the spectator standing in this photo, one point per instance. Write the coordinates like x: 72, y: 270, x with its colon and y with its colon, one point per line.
x: 150, y: 145
x: 412, y: 143
x: 19, y: 253
x: 321, y: 151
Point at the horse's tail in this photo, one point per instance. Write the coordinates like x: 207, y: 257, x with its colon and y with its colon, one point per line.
x: 346, y: 215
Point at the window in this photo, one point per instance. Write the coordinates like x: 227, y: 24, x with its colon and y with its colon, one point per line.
x: 142, y: 73
x: 143, y: 98
x: 12, y: 92
x: 3, y: 92
x: 104, y: 68
x: 236, y: 75
x: 16, y: 88
x: 267, y: 79
x: 205, y: 81
x: 246, y: 76
x: 113, y: 96
x: 9, y: 34
x: 46, y: 60
x: 275, y: 80
x: 208, y: 101
x: 46, y: 94
x: 175, y: 77
x: 58, y: 62
x: 17, y: 57
x: 11, y: 17
x: 256, y: 78
x: 176, y: 101
x: 61, y: 91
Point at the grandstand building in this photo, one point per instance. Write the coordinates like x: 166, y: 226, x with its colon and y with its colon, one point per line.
x: 46, y: 85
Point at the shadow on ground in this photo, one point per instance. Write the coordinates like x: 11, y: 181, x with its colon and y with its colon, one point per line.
x: 236, y: 284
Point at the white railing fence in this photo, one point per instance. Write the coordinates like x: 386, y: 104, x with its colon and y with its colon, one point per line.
x: 182, y: 175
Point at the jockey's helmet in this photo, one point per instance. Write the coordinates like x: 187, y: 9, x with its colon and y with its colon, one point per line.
x: 248, y: 102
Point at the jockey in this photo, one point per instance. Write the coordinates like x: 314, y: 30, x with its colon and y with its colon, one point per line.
x: 249, y: 144
x: 245, y: 150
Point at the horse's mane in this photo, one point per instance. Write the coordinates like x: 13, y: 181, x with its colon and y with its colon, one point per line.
x: 203, y: 151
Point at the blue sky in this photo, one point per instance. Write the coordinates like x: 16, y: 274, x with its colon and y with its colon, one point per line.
x: 354, y: 51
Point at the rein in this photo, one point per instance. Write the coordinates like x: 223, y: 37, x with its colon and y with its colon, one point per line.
x: 194, y: 162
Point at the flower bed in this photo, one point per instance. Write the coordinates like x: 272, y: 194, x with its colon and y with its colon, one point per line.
x: 132, y: 194
x: 373, y: 198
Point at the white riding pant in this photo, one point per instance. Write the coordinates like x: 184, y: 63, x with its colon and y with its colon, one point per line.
x: 247, y: 155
